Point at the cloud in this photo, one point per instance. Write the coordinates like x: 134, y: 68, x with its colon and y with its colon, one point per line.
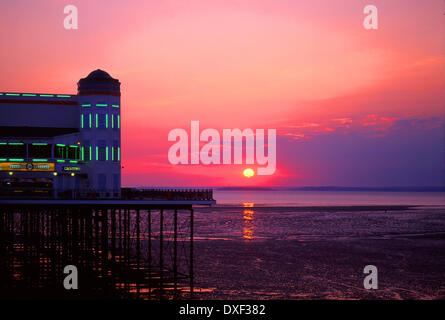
x: 368, y: 124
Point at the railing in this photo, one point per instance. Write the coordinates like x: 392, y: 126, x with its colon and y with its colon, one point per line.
x: 124, y: 194
x: 88, y: 194
x: 168, y: 194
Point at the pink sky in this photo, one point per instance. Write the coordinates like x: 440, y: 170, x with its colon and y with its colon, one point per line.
x: 307, y: 68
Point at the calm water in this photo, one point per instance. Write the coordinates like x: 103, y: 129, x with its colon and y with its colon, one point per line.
x: 327, y: 198
x: 310, y: 245
x: 254, y: 215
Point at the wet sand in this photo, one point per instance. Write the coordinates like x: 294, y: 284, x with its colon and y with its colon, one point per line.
x: 310, y: 254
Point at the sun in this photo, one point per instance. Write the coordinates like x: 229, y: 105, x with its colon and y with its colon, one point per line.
x: 248, y: 173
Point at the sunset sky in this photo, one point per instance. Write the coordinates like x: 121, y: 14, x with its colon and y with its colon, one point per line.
x: 352, y: 107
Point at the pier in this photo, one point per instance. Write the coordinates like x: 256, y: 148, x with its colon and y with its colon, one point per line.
x: 123, y: 248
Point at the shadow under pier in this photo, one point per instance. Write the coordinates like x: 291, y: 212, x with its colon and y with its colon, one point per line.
x: 121, y: 249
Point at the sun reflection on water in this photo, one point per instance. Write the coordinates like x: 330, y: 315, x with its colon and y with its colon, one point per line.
x: 248, y: 219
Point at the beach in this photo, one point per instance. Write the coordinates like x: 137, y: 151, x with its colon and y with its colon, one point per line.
x: 310, y: 252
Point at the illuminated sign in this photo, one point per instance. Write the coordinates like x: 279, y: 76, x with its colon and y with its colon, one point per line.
x: 71, y: 168
x: 13, y: 166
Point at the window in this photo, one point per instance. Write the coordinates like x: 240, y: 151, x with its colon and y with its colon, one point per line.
x: 101, y: 121
x: 39, y: 150
x: 87, y: 153
x: 85, y: 120
x: 101, y: 153
x: 115, y: 154
x: 74, y: 152
x: 115, y: 121
x: 12, y: 150
x: 62, y: 151
x: 59, y: 151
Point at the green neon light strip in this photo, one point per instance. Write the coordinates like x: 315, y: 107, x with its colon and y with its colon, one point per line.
x: 60, y: 145
x: 2, y: 143
x: 15, y: 143
x: 46, y: 95
x: 13, y: 94
x: 86, y: 105
x: 83, y: 153
x: 112, y: 153
x: 63, y: 96
x: 39, y: 160
x: 60, y: 160
x: 81, y: 121
x: 17, y: 160
x: 2, y: 159
x: 118, y: 154
x: 29, y: 95
x: 39, y: 144
x: 115, y: 105
x: 118, y: 121
x: 73, y: 161
x: 97, y: 153
x: 106, y: 153
x: 106, y: 121
x: 97, y: 120
x: 112, y: 121
x: 90, y: 152
x: 101, y: 105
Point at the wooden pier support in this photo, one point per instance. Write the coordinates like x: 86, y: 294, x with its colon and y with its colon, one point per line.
x: 120, y: 250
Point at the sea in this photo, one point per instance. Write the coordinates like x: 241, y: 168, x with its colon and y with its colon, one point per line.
x: 288, y: 244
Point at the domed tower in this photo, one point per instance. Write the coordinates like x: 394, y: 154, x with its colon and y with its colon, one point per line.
x: 100, y: 123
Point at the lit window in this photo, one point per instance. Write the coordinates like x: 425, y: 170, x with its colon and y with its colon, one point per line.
x: 101, y: 121
x: 101, y: 153
x: 115, y: 154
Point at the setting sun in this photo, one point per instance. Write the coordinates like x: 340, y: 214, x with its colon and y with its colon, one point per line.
x: 248, y: 173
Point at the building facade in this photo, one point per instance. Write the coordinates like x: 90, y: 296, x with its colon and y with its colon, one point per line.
x: 62, y: 145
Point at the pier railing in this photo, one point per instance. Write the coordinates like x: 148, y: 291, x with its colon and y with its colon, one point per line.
x: 122, y: 194
x: 168, y: 194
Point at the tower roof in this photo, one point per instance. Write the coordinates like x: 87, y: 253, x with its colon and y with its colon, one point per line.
x: 98, y: 74
x: 98, y: 82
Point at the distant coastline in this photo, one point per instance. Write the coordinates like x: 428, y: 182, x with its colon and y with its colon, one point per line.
x: 336, y: 188
x: 316, y: 188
